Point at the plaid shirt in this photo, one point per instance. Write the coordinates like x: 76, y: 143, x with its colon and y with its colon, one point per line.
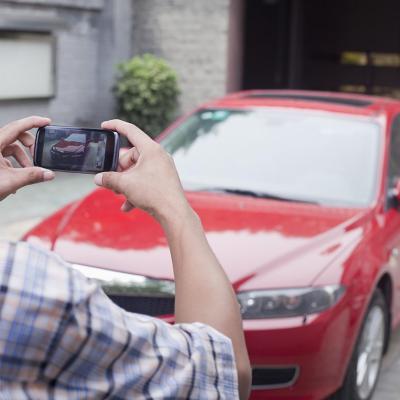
x: 62, y: 338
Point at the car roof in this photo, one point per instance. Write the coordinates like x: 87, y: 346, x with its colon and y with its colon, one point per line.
x: 328, y: 101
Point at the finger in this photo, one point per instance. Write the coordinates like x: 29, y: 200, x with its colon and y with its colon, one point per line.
x: 128, y: 159
x: 16, y: 151
x: 28, y: 140
x: 10, y: 132
x: 127, y: 206
x: 28, y: 176
x: 109, y: 180
x: 136, y: 136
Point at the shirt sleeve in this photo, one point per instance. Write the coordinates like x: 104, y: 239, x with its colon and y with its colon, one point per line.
x: 60, y: 333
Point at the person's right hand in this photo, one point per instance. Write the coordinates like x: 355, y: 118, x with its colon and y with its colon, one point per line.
x: 148, y: 178
x: 146, y: 175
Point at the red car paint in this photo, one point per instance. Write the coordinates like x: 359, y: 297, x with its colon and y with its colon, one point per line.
x: 75, y: 143
x: 69, y: 146
x: 263, y: 244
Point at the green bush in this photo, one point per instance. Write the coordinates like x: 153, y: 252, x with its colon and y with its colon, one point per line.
x: 147, y: 93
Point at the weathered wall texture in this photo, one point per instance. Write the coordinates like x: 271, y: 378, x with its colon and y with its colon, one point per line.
x: 91, y: 36
x: 192, y: 36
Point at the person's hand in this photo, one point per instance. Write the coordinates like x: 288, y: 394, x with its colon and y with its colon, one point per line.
x: 13, y: 138
x: 146, y: 175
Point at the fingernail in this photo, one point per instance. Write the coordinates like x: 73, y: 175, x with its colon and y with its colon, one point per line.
x: 98, y: 179
x: 48, y: 175
x: 46, y: 120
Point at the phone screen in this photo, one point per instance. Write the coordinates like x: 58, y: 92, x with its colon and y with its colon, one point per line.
x: 76, y: 149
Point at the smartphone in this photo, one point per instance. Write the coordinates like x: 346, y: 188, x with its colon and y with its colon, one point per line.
x: 69, y: 149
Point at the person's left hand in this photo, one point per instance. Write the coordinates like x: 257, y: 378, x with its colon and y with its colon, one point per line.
x: 13, y: 138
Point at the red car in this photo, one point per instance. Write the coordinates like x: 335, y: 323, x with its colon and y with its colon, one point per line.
x: 298, y: 194
x: 71, y: 148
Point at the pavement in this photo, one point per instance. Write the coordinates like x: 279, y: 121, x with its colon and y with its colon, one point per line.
x: 389, y: 381
x: 23, y: 210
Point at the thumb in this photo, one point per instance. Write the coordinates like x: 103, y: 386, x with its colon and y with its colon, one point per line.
x: 29, y: 175
x: 109, y: 180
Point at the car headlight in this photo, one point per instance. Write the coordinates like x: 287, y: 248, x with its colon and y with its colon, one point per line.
x: 288, y: 302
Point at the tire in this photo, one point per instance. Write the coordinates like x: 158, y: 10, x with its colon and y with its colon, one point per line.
x: 376, y: 316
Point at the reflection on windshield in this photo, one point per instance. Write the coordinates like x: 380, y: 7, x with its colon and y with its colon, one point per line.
x: 300, y: 154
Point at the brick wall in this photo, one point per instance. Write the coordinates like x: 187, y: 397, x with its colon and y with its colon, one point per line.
x: 91, y: 36
x: 192, y: 36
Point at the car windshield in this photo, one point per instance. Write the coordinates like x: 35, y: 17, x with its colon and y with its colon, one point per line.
x: 76, y: 137
x: 289, y: 154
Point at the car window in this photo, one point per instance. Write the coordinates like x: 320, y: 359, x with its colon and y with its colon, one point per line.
x: 394, y: 156
x: 298, y: 155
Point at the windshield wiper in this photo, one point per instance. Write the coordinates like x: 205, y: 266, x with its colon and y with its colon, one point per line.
x: 256, y: 194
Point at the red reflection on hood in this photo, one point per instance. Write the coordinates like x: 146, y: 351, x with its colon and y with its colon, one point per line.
x: 69, y: 146
x: 249, y: 236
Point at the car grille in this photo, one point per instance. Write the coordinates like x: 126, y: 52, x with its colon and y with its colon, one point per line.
x: 134, y: 293
x: 148, y: 305
x: 274, y: 377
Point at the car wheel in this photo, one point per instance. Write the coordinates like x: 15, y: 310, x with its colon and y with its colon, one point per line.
x: 363, y: 372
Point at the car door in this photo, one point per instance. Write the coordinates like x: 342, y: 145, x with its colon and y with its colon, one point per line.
x: 392, y: 217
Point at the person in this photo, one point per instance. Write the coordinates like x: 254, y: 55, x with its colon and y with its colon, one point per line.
x: 61, y: 337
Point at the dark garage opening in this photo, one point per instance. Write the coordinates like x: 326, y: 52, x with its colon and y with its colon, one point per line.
x: 340, y: 45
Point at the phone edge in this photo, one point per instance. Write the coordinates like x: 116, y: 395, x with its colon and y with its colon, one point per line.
x: 34, y: 156
x: 117, y: 147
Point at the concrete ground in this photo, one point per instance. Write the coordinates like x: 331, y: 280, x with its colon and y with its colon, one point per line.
x: 21, y: 211
x: 389, y: 382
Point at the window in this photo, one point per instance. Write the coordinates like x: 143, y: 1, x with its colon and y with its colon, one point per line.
x: 364, y: 59
x: 394, y: 161
x: 27, y: 65
x: 302, y: 155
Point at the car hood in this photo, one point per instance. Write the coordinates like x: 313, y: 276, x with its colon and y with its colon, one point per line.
x: 69, y: 145
x: 260, y: 243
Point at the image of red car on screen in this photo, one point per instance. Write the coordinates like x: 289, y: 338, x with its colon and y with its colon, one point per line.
x: 72, y: 148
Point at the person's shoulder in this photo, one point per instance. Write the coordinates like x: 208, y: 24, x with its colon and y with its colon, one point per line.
x: 22, y: 255
x: 7, y: 245
x: 58, y: 280
x: 8, y: 248
x: 7, y: 252
x: 3, y: 247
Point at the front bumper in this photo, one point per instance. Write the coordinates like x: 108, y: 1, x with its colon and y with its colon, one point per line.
x: 292, y: 358
x: 317, y: 348
x: 57, y: 155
